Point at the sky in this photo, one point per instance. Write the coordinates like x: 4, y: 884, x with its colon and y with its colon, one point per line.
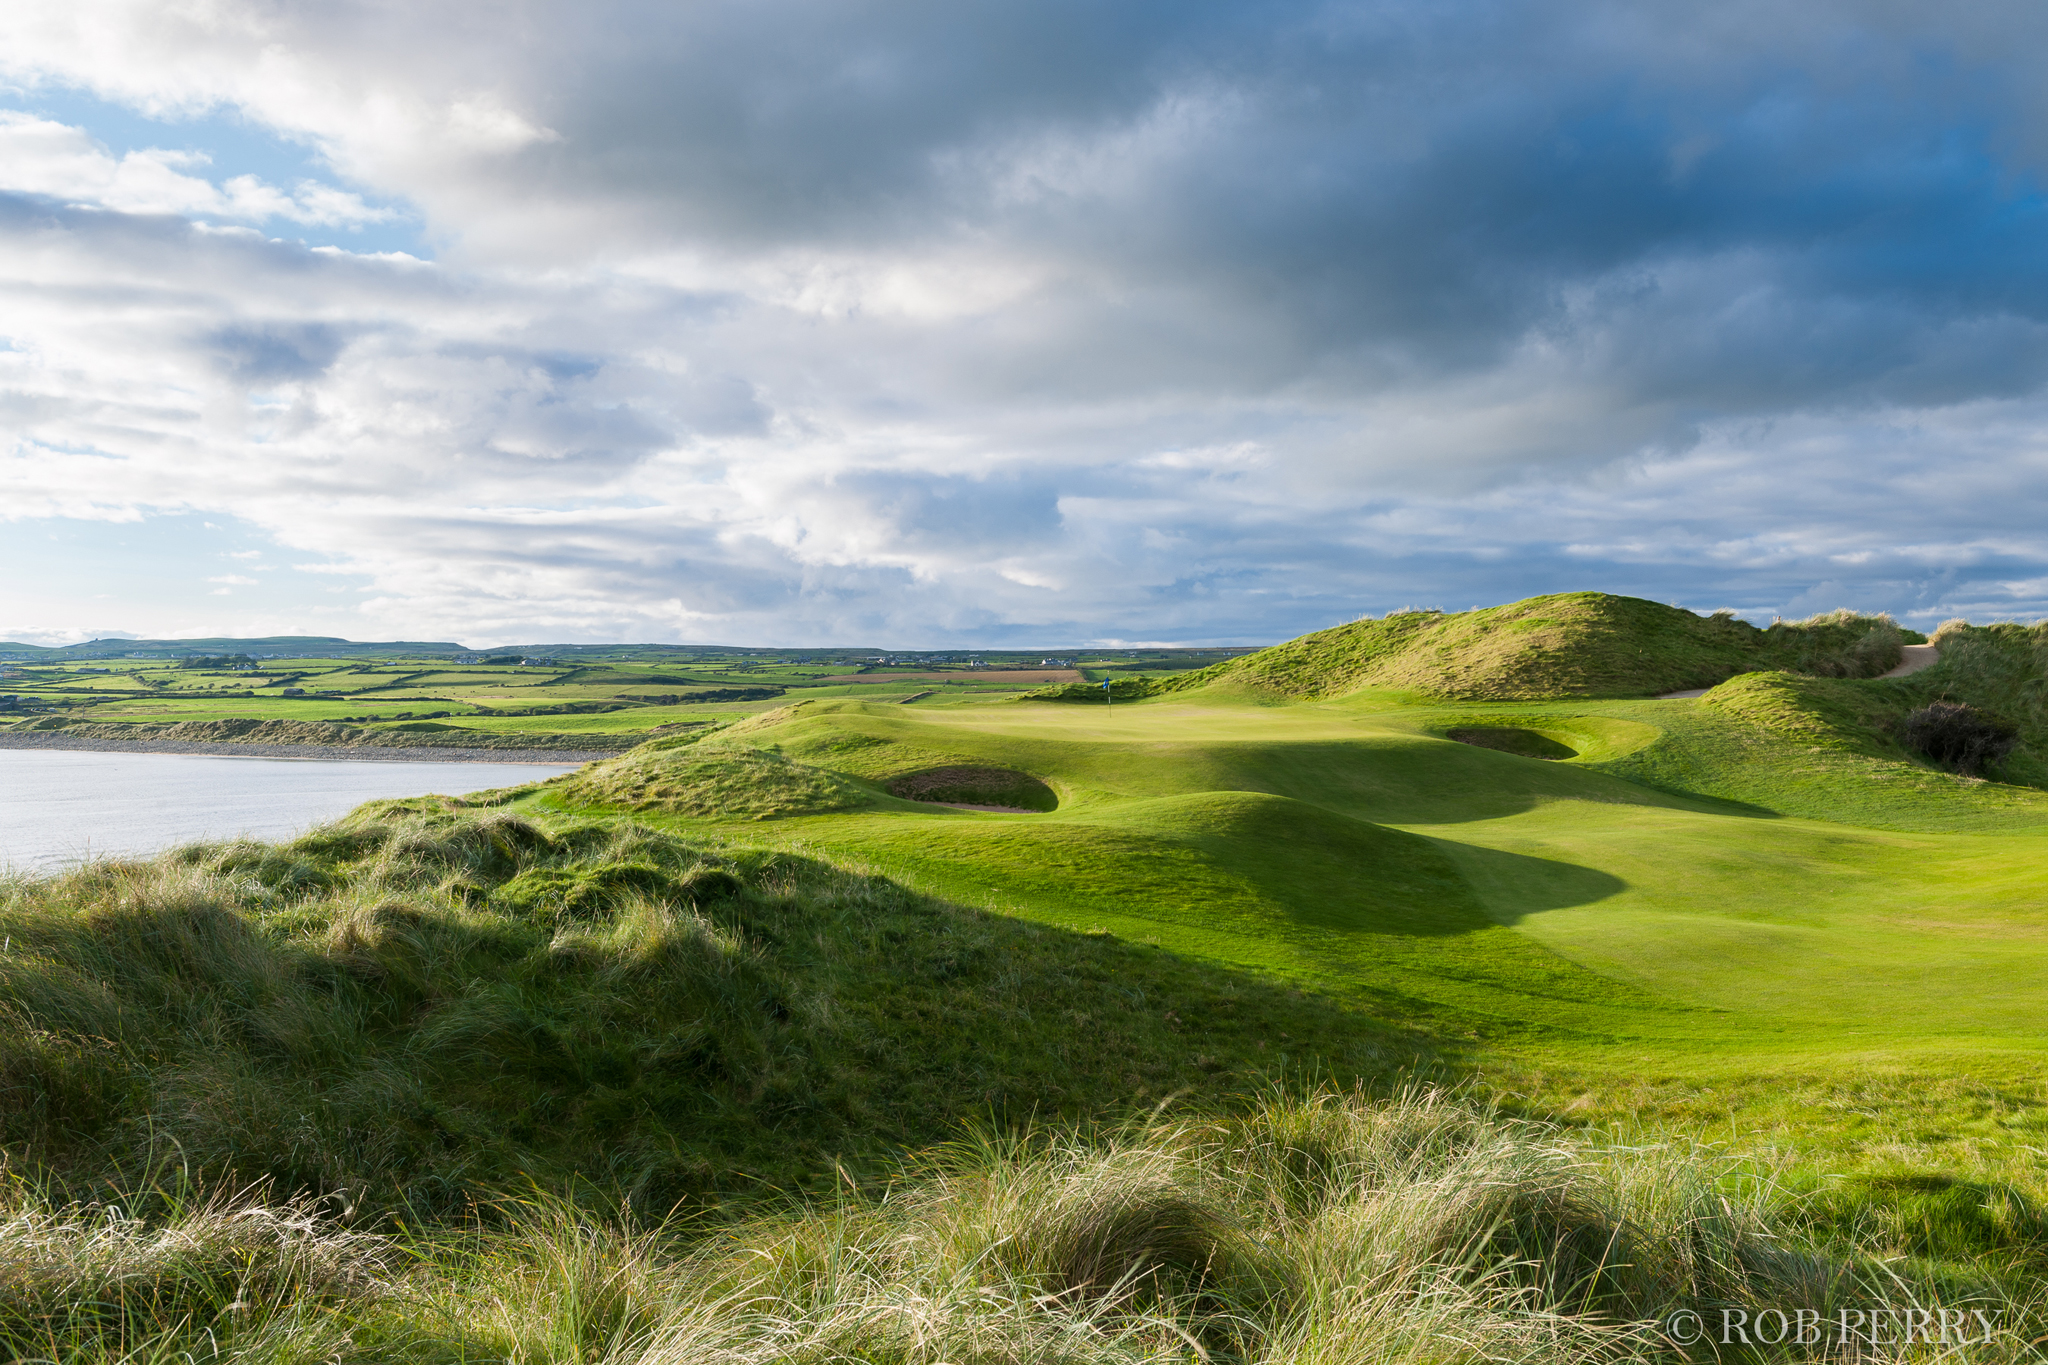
x: 924, y: 324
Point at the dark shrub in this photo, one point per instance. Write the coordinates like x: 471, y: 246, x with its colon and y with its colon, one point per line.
x: 1960, y: 738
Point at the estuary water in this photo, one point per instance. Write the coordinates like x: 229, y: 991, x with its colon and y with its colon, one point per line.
x: 59, y: 806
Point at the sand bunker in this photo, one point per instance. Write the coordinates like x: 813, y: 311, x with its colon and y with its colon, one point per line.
x: 993, y: 789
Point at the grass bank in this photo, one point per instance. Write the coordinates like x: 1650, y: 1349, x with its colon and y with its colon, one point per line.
x: 1581, y: 644
x: 423, y: 1005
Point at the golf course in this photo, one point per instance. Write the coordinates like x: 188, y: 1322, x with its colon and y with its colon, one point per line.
x: 1748, y: 903
x: 1434, y: 974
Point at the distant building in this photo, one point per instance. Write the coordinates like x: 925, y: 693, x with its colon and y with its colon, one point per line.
x: 295, y: 692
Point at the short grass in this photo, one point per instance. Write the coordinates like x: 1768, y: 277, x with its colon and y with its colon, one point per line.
x: 1720, y: 891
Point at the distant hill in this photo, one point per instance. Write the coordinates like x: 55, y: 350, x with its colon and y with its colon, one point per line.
x: 284, y: 645
x: 1580, y: 644
x: 317, y: 645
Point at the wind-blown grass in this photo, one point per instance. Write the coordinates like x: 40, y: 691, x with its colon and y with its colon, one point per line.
x: 421, y: 1003
x: 1319, y: 1230
x: 723, y: 779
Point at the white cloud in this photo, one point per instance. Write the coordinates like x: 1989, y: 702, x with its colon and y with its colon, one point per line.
x: 38, y: 156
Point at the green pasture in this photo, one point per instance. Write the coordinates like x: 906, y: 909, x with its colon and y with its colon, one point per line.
x: 260, y: 707
x: 404, y: 691
x: 616, y: 722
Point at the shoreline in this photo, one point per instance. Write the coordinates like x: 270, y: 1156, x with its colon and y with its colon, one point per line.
x: 349, y: 753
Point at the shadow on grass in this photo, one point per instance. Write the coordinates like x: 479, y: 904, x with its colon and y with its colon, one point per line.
x: 1426, y: 780
x: 1513, y: 886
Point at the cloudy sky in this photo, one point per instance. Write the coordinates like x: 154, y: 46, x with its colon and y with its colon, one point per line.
x: 944, y: 322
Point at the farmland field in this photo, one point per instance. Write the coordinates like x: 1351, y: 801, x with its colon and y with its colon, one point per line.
x: 610, y: 695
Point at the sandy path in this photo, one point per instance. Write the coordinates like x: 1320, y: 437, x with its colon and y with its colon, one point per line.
x: 1917, y: 658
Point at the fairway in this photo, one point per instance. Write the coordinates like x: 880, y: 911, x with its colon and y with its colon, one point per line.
x: 1665, y: 904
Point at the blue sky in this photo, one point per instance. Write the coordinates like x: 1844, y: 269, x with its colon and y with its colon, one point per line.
x: 231, y: 145
x: 892, y: 321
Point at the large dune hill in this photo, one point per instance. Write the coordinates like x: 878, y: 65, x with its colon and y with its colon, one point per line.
x: 1580, y: 644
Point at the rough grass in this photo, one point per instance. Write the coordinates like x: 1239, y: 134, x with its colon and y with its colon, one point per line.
x: 1291, y: 1231
x: 1568, y: 645
x: 2000, y: 669
x: 1834, y: 748
x: 1821, y: 749
x: 421, y: 1003
x: 728, y: 780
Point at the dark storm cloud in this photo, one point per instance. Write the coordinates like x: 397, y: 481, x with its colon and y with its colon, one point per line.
x: 1375, y: 186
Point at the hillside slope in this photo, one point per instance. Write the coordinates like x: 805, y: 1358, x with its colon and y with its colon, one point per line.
x: 1836, y: 748
x: 425, y: 1002
x: 1581, y: 644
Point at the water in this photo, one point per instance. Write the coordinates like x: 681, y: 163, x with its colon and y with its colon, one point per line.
x: 59, y: 805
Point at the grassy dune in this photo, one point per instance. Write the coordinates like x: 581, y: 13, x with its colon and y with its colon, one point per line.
x: 1584, y: 644
x: 418, y: 1005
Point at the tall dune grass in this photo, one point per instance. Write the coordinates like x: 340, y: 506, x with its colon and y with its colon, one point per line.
x: 423, y: 1002
x: 1304, y: 1231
